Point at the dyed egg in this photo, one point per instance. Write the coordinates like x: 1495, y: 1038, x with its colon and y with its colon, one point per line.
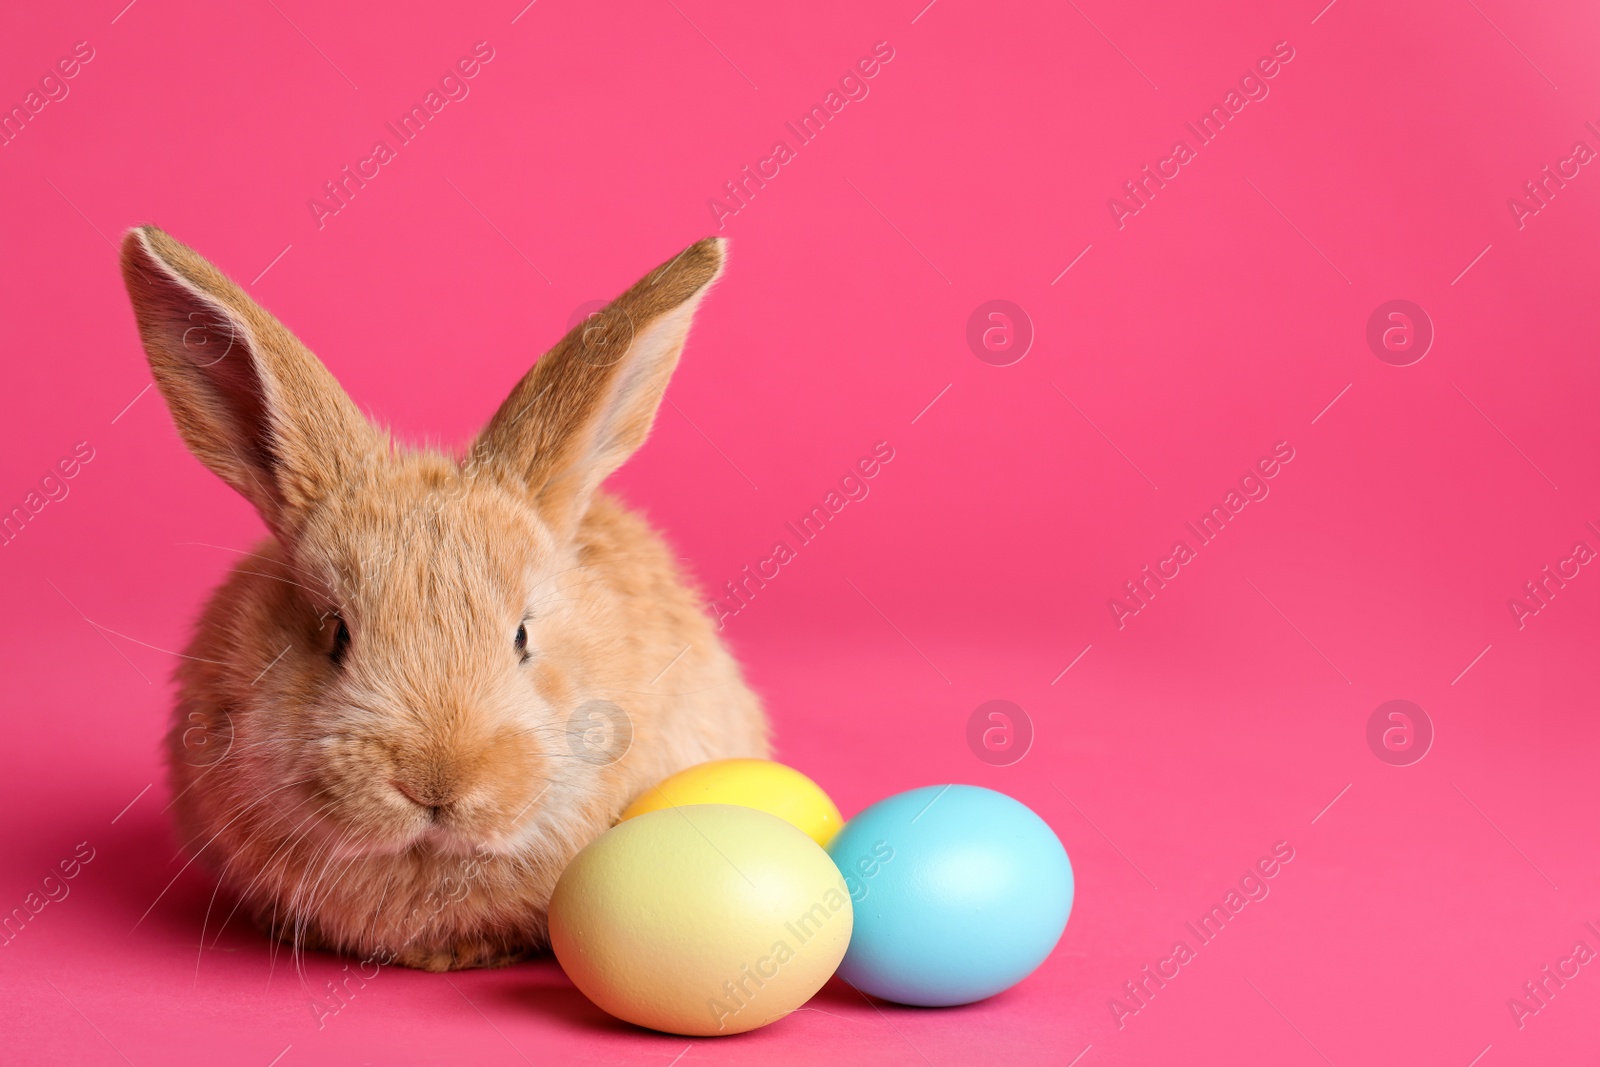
x: 700, y: 920
x: 751, y: 783
x: 959, y: 892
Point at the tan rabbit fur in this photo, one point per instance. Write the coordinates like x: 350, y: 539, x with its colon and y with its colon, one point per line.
x: 367, y: 749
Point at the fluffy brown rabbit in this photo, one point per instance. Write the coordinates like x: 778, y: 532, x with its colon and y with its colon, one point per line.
x: 438, y: 678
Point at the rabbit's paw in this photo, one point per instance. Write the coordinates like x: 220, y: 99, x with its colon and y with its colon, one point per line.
x: 462, y: 955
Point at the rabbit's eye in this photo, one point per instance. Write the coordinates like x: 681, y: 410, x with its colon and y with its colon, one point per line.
x: 521, y: 641
x: 341, y: 642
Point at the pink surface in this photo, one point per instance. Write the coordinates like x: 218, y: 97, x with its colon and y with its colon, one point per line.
x: 1173, y: 747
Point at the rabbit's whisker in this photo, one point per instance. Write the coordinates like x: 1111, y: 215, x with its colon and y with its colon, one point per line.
x: 186, y: 866
x: 290, y: 838
x: 239, y: 808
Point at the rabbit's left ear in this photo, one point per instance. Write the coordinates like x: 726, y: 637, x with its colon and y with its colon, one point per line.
x: 590, y: 401
x: 249, y: 399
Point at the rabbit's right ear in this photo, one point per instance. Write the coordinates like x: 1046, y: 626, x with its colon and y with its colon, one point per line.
x: 589, y: 402
x: 249, y: 399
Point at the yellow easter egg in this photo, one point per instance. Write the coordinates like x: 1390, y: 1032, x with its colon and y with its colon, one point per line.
x: 751, y: 783
x: 701, y: 920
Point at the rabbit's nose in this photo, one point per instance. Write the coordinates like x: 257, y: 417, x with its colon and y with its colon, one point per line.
x: 432, y: 795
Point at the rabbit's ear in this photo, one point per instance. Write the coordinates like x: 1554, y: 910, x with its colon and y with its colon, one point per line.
x: 589, y: 402
x: 249, y: 399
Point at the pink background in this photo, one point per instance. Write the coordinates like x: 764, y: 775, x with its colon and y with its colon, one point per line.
x: 1221, y: 319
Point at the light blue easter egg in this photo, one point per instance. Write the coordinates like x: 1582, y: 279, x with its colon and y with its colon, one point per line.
x: 959, y: 893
